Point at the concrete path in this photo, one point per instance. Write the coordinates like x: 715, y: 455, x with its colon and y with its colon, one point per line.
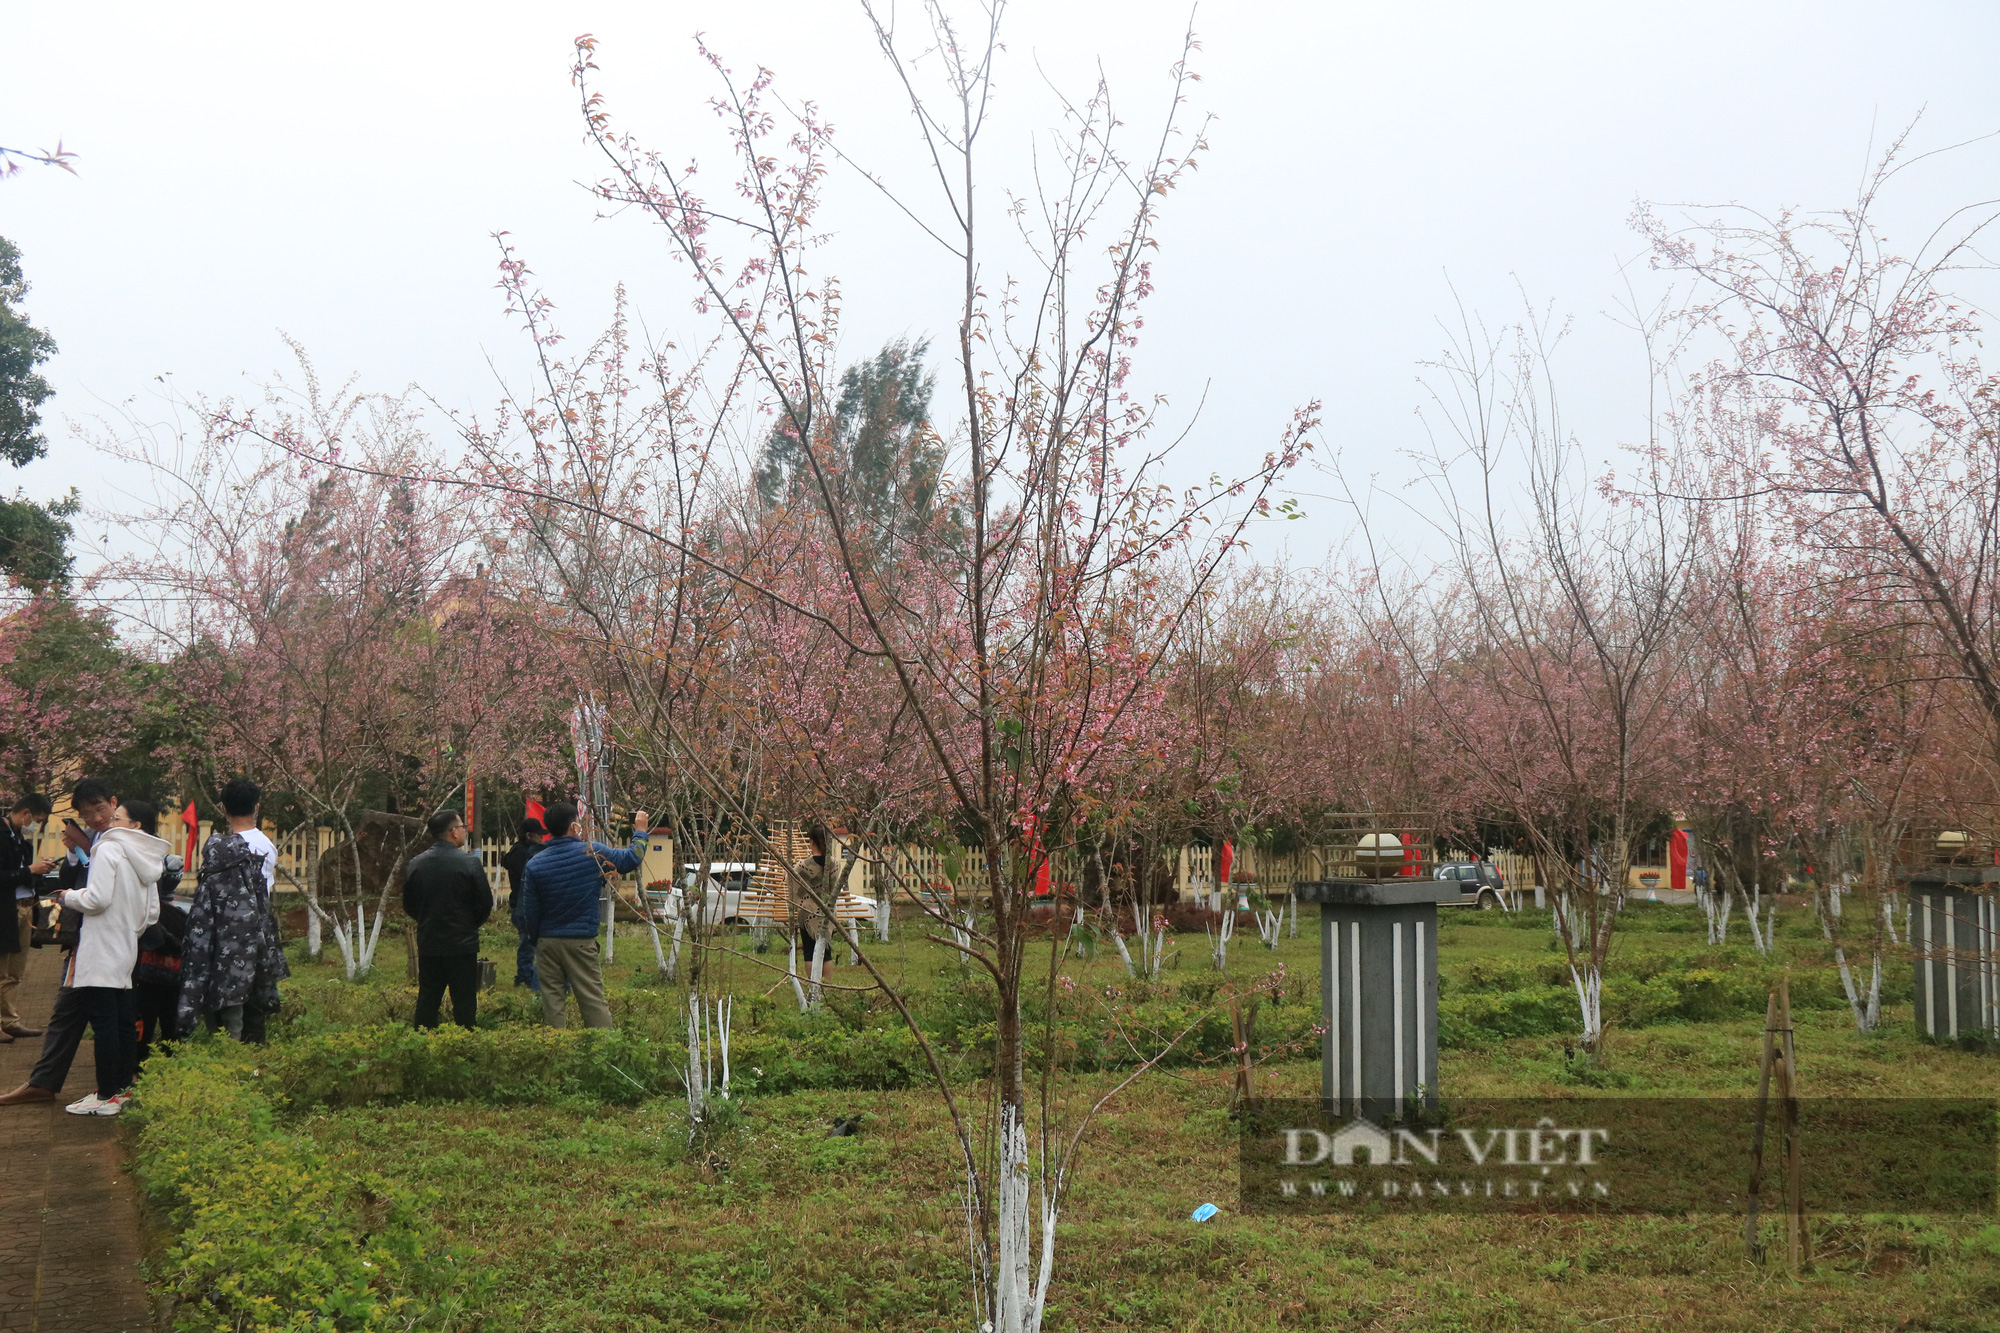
x: 69, y: 1218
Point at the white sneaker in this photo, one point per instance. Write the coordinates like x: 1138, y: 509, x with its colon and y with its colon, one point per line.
x: 95, y: 1105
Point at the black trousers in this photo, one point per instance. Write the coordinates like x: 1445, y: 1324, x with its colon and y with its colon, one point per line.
x: 112, y: 1015
x: 159, y: 1006
x: 457, y: 972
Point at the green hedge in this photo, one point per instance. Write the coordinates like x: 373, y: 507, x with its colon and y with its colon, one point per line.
x: 387, y: 1064
x: 1497, y: 1001
x: 268, y: 1234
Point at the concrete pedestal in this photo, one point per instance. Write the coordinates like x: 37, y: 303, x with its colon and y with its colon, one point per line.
x: 1955, y: 946
x: 1378, y: 992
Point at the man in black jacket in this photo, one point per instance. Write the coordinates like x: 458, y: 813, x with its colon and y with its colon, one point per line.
x: 446, y: 894
x: 19, y: 873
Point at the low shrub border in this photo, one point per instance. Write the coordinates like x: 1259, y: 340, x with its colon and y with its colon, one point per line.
x: 268, y: 1235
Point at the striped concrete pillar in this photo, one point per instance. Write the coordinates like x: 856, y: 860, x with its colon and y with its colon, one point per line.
x: 1378, y: 993
x: 1955, y: 950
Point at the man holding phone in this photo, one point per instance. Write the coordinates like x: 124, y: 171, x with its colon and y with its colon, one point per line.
x: 95, y: 803
x: 19, y: 873
x: 562, y: 895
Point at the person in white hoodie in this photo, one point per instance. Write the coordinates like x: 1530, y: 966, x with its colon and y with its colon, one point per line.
x: 118, y: 902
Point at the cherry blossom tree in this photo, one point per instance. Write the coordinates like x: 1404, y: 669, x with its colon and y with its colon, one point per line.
x: 331, y: 628
x: 1015, y: 655
x: 66, y: 690
x: 1548, y: 653
x: 1877, y: 425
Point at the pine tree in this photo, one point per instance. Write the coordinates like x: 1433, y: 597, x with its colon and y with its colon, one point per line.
x: 884, y: 459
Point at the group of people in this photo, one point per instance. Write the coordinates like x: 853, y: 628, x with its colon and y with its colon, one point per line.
x: 555, y: 880
x: 138, y: 969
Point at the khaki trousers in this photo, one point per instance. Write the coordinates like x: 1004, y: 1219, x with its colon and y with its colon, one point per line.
x: 571, y: 966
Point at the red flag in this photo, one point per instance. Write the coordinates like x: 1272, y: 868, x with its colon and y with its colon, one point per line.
x: 1222, y: 866
x: 1677, y: 859
x: 535, y: 812
x: 188, y: 822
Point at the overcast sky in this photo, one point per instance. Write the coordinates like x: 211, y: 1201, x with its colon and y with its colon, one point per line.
x: 336, y: 172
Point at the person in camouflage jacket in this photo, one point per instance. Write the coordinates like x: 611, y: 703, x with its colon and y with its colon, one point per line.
x: 230, y: 958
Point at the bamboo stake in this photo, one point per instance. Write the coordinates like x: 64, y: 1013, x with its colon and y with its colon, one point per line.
x: 1798, y: 1244
x: 1751, y: 1241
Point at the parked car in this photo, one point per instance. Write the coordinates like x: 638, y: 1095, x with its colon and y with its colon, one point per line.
x: 1480, y: 883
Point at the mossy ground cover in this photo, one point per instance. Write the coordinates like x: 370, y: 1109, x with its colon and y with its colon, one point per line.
x: 585, y: 1210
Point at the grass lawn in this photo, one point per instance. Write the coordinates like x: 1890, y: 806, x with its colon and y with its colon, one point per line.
x: 595, y: 1217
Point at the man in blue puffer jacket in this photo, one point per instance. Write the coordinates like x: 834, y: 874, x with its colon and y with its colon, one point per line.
x: 561, y: 893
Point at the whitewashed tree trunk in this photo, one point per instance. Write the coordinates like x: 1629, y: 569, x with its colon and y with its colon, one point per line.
x: 792, y: 971
x: 350, y: 963
x: 1124, y: 954
x: 1715, y: 909
x: 672, y: 966
x: 372, y: 934
x: 1017, y: 1306
x: 1589, y: 983
x: 814, y: 993
x: 1760, y: 939
x: 708, y: 1052
x: 314, y: 940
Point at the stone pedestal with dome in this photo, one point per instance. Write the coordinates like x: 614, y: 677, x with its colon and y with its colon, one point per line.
x: 1378, y: 966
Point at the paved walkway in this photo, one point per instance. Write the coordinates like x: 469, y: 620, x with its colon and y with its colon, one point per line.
x: 69, y: 1219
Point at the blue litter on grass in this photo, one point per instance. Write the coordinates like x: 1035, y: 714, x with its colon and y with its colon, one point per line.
x: 1203, y: 1213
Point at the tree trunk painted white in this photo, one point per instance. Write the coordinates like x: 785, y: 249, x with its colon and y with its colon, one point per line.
x: 1758, y: 939
x: 1589, y: 985
x: 348, y: 962
x: 853, y: 945
x: 1295, y: 914
x: 1715, y: 909
x: 882, y: 919
x: 672, y: 965
x: 708, y: 1052
x: 1124, y: 954
x: 373, y: 933
x: 819, y: 951
x: 696, y: 1090
x: 1017, y: 1305
x: 792, y: 971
